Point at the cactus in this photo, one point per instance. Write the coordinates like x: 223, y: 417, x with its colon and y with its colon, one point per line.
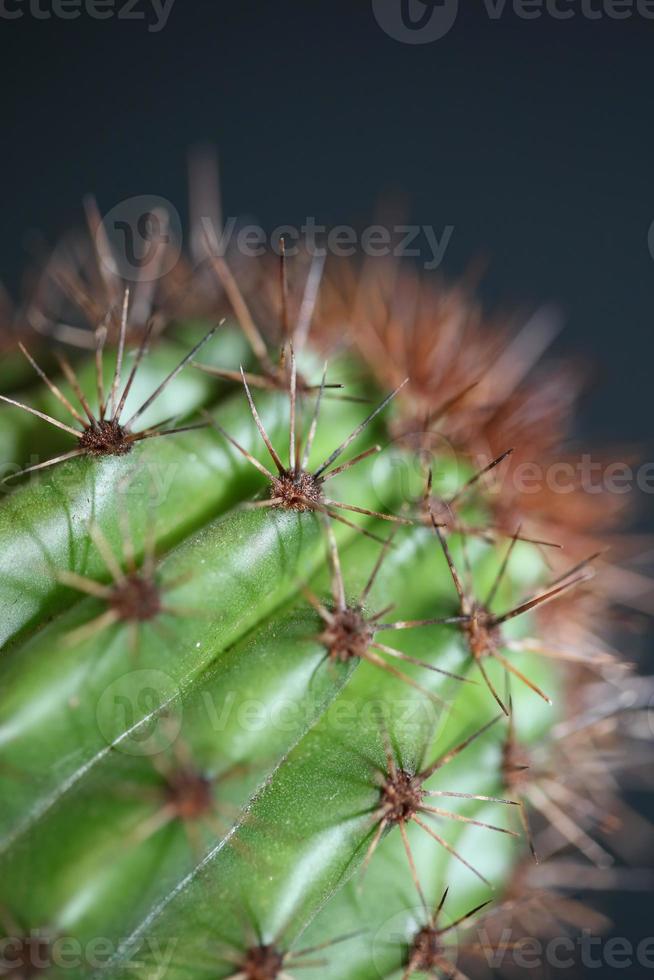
x: 251, y: 724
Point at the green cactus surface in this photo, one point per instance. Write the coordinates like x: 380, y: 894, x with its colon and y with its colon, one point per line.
x: 254, y: 722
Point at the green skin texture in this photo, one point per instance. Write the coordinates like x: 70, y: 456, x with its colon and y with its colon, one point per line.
x: 246, y: 683
x: 175, y: 485
x: 86, y: 489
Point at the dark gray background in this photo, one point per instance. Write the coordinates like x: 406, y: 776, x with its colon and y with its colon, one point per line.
x: 534, y: 138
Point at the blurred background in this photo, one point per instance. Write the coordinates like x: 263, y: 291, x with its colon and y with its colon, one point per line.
x: 521, y: 137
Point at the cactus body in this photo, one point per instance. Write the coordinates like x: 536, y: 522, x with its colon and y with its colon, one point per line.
x: 207, y: 770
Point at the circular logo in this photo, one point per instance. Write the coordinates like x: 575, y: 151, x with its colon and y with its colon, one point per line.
x: 144, y: 236
x: 416, y: 21
x: 405, y: 938
x: 131, y: 713
x: 400, y: 472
